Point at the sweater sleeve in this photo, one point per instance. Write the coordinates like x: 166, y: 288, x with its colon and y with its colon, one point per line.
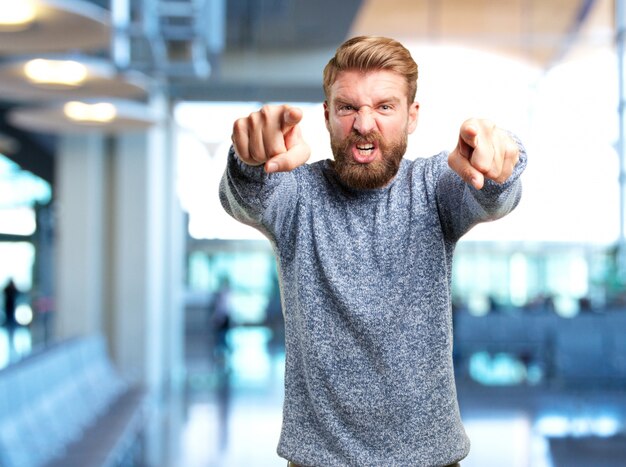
x: 461, y: 206
x: 253, y: 197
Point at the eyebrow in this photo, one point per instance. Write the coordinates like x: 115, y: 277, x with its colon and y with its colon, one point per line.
x: 392, y: 100
x: 387, y: 100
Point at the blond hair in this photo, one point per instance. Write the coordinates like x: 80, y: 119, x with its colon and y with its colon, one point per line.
x: 371, y: 53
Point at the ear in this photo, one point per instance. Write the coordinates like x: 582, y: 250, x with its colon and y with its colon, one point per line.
x: 326, y: 115
x: 413, y: 114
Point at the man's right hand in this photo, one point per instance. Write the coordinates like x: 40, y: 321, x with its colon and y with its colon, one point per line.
x: 271, y: 137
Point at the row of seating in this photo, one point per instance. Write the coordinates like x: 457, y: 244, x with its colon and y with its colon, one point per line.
x: 589, y: 348
x: 67, y: 406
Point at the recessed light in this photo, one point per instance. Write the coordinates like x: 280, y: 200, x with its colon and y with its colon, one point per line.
x: 101, y: 112
x: 16, y: 15
x: 55, y: 73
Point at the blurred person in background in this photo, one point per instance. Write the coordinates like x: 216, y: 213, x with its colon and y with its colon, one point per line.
x: 364, y: 244
x: 11, y: 293
x: 220, y: 319
x: 220, y: 324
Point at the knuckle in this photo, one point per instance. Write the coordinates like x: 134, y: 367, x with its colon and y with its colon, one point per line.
x: 481, y: 165
x: 496, y: 176
x: 266, y: 112
x: 257, y: 157
x: 239, y: 126
x: 253, y: 121
x: 469, y: 122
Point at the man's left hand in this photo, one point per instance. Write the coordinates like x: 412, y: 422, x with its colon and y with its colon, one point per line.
x: 484, y: 151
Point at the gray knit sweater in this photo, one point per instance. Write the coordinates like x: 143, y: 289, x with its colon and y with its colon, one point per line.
x: 365, y: 280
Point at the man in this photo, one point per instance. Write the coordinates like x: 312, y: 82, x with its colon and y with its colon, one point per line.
x: 364, y: 247
x: 10, y: 303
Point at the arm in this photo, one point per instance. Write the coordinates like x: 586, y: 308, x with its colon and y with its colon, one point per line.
x: 264, y: 143
x: 484, y: 183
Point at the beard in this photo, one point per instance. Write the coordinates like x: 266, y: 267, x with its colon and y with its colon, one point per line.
x: 375, y: 174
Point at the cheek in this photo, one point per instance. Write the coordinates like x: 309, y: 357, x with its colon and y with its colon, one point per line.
x: 335, y: 130
x: 338, y: 128
x: 394, y: 130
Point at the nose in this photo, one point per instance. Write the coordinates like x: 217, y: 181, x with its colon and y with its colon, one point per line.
x: 364, y: 121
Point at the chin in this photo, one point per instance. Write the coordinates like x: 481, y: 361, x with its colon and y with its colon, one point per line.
x: 370, y: 176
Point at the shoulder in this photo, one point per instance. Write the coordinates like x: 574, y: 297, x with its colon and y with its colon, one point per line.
x: 315, y: 174
x: 436, y: 162
x: 427, y: 170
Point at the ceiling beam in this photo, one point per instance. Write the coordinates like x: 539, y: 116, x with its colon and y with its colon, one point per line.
x: 567, y: 43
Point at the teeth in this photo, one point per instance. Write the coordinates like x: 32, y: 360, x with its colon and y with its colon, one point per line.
x: 366, y: 147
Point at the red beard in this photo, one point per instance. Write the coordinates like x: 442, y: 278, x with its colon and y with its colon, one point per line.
x: 369, y: 176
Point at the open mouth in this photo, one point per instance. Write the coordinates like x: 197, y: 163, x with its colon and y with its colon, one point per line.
x: 364, y: 153
x: 365, y: 148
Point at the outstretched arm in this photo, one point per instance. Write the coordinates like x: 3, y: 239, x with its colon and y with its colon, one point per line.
x: 267, y: 139
x: 271, y: 137
x: 483, y: 182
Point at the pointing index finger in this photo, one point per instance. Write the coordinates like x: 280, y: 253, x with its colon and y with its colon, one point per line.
x: 291, y: 117
x: 469, y: 136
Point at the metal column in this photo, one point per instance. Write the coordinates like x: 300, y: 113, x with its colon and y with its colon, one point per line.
x: 620, y: 44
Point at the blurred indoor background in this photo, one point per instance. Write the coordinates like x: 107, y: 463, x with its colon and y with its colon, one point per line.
x: 115, y: 121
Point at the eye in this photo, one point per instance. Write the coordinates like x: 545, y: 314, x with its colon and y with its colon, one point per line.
x: 385, y: 108
x: 345, y: 109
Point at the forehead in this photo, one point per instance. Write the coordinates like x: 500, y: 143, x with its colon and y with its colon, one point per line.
x: 376, y: 85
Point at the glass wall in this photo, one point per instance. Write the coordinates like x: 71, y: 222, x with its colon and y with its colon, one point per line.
x: 567, y: 277
x: 23, y: 197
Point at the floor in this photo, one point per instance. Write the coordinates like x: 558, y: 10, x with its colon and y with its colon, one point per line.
x: 229, y: 414
x: 238, y: 423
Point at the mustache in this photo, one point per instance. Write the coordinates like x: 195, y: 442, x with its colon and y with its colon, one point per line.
x: 355, y: 138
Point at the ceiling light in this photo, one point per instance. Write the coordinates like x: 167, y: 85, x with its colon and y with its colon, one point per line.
x: 16, y: 15
x: 90, y: 113
x: 85, y: 116
x: 55, y: 73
